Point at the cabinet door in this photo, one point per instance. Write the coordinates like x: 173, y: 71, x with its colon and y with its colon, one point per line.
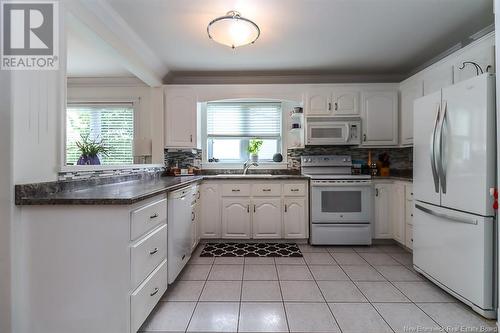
x: 346, y: 103
x: 380, y: 118
x: 236, y: 218
x: 398, y: 204
x: 438, y: 78
x: 319, y: 102
x: 484, y: 56
x: 382, y: 211
x: 295, y: 222
x: 210, y: 224
x: 267, y: 219
x: 409, y: 93
x: 180, y: 117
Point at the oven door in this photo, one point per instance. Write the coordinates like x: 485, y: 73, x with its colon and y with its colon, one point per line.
x: 340, y: 202
x: 328, y: 133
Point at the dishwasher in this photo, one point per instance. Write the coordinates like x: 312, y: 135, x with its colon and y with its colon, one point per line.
x: 179, y: 231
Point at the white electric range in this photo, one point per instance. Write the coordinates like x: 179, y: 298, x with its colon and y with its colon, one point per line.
x: 341, y: 203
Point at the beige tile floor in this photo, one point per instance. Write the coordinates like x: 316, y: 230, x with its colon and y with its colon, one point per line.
x: 331, y: 289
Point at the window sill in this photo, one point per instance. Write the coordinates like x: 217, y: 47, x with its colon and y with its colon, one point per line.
x: 239, y: 166
x: 80, y: 168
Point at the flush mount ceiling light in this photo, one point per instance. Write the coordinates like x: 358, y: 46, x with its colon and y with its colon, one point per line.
x: 233, y: 30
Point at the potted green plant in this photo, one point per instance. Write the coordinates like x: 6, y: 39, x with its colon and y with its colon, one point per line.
x: 253, y: 148
x: 90, y: 150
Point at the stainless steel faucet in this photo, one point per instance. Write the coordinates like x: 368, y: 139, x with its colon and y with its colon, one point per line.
x: 247, y: 166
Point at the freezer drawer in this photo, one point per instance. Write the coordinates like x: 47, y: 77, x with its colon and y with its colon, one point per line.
x: 341, y: 234
x: 456, y: 250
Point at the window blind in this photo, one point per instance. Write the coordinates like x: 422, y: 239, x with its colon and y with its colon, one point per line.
x: 114, y: 124
x: 244, y: 119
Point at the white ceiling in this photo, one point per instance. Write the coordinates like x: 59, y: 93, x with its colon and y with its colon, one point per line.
x: 86, y: 58
x: 344, y: 36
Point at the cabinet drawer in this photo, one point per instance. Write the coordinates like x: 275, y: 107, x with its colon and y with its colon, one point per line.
x: 146, y: 218
x: 147, y: 253
x: 236, y: 190
x: 294, y: 190
x: 147, y: 295
x: 409, y: 192
x: 265, y: 190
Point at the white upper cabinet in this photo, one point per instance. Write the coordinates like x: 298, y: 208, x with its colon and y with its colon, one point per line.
x: 180, y: 117
x: 483, y: 55
x: 332, y: 101
x: 345, y: 103
x: 380, y: 118
x: 318, y: 102
x: 267, y: 218
x: 409, y: 91
x: 438, y: 78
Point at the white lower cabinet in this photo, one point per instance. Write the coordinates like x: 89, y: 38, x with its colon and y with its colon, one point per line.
x: 294, y: 215
x: 382, y: 211
x: 236, y: 218
x: 394, y: 211
x: 398, y: 212
x: 244, y: 210
x: 210, y: 219
x: 266, y: 218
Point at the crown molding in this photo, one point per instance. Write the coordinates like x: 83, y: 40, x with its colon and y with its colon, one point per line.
x: 266, y: 77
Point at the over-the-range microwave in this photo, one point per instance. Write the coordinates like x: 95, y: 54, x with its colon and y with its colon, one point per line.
x: 321, y: 131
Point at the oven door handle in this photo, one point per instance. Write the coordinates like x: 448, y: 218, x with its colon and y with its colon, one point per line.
x: 341, y: 184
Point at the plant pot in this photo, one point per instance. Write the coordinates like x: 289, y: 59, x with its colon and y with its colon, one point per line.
x: 88, y: 160
x: 255, y: 158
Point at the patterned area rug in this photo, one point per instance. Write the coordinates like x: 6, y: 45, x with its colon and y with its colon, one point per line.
x: 251, y: 250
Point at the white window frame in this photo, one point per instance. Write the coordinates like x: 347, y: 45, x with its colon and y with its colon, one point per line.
x: 77, y: 168
x: 239, y: 165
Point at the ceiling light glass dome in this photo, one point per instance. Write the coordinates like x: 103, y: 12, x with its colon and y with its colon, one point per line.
x: 233, y: 30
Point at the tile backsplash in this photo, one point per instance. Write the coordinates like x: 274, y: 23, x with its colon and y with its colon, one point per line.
x: 401, y: 158
x: 182, y: 158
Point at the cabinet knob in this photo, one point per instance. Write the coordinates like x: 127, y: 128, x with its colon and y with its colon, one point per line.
x: 248, y: 208
x: 266, y: 190
x: 193, y: 216
x: 376, y: 192
x: 155, y: 215
x: 364, y: 137
x: 294, y: 190
x: 235, y: 190
x: 191, y: 138
x: 286, y: 208
x: 329, y: 106
x: 336, y: 106
x: 153, y: 251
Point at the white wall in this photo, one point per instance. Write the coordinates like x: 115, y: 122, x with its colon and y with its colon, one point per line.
x: 6, y: 204
x: 149, y: 110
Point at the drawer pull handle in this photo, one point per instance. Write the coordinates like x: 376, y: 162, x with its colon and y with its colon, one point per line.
x: 199, y: 195
x: 286, y: 208
x: 153, y: 251
x: 155, y: 215
x: 235, y: 190
x: 248, y: 208
x: 266, y: 189
x: 294, y: 190
x: 154, y: 292
x: 193, y: 216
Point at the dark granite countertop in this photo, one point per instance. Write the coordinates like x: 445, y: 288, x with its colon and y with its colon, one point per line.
x: 121, y: 193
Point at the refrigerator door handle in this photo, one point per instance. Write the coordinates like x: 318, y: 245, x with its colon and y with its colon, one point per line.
x: 435, y: 175
x: 446, y: 216
x: 442, y: 149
